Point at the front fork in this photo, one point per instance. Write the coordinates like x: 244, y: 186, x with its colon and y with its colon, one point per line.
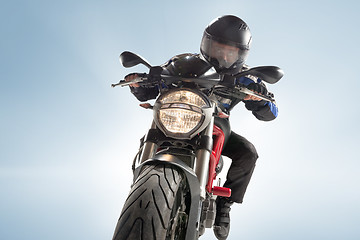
x: 202, y: 160
x: 203, y: 155
x: 149, y: 148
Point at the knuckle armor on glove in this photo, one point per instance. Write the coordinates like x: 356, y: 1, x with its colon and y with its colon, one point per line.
x: 257, y: 87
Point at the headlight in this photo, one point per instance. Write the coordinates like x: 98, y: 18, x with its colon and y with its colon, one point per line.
x: 179, y: 120
x: 181, y: 113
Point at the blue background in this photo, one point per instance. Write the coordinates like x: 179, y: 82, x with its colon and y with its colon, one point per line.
x: 67, y: 138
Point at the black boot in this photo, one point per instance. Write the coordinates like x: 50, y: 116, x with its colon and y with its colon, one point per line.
x: 222, y: 219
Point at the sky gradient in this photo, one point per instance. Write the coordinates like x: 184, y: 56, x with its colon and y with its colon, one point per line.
x: 67, y: 138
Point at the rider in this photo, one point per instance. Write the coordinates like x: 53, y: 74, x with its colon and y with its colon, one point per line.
x: 225, y: 45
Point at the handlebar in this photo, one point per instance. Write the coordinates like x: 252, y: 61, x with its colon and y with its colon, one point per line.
x: 234, y: 91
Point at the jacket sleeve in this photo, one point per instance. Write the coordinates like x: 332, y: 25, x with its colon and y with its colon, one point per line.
x: 262, y: 110
x: 144, y: 93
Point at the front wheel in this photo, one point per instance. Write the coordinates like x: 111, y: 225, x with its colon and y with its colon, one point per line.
x: 157, y: 206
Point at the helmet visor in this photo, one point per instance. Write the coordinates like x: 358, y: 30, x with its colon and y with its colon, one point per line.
x: 222, y: 55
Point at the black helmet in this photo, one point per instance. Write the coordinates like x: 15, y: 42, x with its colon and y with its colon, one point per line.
x: 226, y: 43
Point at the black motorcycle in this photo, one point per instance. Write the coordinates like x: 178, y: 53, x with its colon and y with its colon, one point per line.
x: 173, y: 193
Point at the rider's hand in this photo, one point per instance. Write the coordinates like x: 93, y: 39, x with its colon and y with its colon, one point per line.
x: 257, y: 88
x: 131, y: 77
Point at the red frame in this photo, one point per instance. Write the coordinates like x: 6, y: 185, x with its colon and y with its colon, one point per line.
x: 218, y: 144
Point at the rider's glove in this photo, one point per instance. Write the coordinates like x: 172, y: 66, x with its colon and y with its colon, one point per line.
x: 139, y: 75
x: 257, y: 87
x: 142, y: 93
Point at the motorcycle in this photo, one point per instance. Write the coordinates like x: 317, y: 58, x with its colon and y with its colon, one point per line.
x: 173, y: 192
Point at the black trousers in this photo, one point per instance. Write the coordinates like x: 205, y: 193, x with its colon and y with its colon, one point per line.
x: 243, y: 155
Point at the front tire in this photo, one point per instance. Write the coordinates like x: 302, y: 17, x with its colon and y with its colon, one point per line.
x: 157, y: 206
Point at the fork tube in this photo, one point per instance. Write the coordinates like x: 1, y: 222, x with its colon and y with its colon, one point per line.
x: 149, y: 148
x: 202, y: 161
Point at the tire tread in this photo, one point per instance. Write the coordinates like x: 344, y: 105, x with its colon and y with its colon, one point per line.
x: 147, y: 209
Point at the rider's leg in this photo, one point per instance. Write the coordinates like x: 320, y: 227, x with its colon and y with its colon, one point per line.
x: 244, y: 156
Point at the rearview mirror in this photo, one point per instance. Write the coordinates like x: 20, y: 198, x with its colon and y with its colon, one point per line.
x: 129, y: 59
x: 269, y: 74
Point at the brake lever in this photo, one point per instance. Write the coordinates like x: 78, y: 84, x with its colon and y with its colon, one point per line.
x: 249, y: 92
x: 124, y: 83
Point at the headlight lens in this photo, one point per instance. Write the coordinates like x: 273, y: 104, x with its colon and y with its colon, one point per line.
x: 184, y: 96
x: 179, y: 120
x: 180, y: 112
